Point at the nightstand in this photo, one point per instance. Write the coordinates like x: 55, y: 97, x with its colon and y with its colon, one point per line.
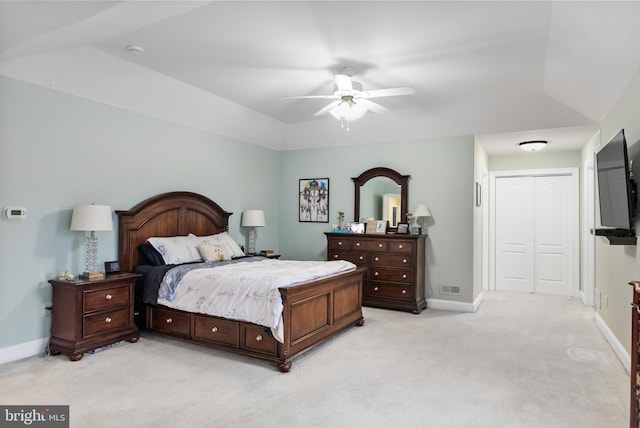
x: 91, y: 314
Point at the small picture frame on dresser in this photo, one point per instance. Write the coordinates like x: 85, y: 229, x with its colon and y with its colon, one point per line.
x: 376, y: 227
x: 416, y: 230
x: 403, y: 228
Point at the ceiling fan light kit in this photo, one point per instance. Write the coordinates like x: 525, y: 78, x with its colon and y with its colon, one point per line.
x: 351, y: 102
x: 533, y: 146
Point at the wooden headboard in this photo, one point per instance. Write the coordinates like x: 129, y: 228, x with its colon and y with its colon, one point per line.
x: 167, y: 214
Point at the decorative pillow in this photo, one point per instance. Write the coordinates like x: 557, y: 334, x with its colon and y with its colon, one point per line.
x: 177, y: 249
x: 151, y: 255
x: 213, y: 253
x: 225, y: 240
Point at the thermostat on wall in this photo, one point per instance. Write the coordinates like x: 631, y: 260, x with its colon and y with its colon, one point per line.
x: 14, y: 213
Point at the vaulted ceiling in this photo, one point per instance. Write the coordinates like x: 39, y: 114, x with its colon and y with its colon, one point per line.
x: 478, y: 68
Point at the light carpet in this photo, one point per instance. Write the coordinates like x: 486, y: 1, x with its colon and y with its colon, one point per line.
x: 522, y: 360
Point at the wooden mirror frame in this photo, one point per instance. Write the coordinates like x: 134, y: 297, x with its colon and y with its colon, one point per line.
x: 401, y: 180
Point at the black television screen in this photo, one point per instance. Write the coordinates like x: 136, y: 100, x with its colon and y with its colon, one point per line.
x: 615, y: 185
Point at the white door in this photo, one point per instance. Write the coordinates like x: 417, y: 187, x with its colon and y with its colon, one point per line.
x: 535, y: 234
x: 514, y: 241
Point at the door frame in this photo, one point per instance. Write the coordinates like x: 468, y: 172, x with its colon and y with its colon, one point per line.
x: 574, y: 173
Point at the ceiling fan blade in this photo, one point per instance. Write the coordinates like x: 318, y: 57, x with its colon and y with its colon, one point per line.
x: 370, y: 105
x: 327, y: 108
x: 390, y: 92
x: 326, y: 97
x: 343, y: 82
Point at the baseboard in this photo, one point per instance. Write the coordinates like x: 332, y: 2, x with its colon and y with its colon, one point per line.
x: 615, y: 344
x: 23, y: 350
x: 451, y: 305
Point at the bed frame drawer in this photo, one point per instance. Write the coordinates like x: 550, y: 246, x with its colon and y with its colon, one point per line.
x: 257, y: 339
x: 168, y: 321
x: 216, y: 330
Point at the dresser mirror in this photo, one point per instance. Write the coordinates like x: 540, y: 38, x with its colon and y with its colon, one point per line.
x: 381, y: 194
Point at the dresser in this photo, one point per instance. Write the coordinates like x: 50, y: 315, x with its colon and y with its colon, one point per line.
x: 634, y: 417
x: 92, y: 314
x: 395, y: 263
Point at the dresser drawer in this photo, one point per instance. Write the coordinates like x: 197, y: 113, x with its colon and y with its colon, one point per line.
x: 167, y: 321
x: 392, y: 260
x: 339, y: 244
x: 369, y: 245
x: 390, y: 291
x: 217, y: 330
x: 105, y: 321
x: 404, y: 247
x: 96, y: 300
x: 357, y: 258
x: 256, y: 338
x: 391, y: 275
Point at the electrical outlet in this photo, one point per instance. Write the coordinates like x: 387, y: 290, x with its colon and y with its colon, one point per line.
x: 46, y: 309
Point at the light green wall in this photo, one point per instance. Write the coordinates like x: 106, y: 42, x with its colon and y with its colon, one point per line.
x: 535, y: 160
x: 617, y: 265
x: 58, y: 150
x: 441, y: 178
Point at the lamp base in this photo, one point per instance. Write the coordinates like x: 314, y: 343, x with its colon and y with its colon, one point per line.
x: 92, y: 275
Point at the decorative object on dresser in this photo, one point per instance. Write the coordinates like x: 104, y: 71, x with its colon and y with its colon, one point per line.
x: 313, y: 200
x: 91, y: 218
x: 90, y: 314
x: 370, y: 188
x: 312, y: 312
x: 634, y: 414
x: 395, y: 266
x: 252, y: 219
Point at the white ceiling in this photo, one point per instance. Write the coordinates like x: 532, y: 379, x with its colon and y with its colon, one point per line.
x: 504, y: 71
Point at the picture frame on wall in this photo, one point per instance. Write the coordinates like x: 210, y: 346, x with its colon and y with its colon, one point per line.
x: 313, y: 200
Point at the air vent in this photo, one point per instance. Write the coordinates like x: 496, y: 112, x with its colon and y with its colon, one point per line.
x: 449, y: 289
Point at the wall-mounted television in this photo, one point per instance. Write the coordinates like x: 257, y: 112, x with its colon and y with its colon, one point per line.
x: 616, y: 187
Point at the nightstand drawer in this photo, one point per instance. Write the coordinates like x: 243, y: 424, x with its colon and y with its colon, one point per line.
x: 96, y: 300
x: 166, y: 321
x: 105, y: 321
x: 256, y: 338
x: 217, y: 330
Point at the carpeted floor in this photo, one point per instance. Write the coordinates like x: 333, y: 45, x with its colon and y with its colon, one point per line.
x: 522, y: 360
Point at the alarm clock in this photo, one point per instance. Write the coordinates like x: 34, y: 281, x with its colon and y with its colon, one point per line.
x: 112, y: 267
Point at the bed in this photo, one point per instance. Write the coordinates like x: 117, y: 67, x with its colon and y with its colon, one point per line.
x: 313, y: 311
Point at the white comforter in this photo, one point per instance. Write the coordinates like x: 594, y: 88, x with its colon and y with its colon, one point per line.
x: 247, y: 291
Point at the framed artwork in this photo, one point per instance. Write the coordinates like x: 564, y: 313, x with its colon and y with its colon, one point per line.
x: 403, y: 228
x: 313, y: 200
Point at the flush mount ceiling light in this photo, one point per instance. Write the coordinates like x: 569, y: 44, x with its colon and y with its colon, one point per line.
x: 533, y: 146
x: 135, y: 49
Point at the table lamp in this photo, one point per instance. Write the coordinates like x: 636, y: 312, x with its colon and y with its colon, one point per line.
x: 91, y: 218
x: 252, y: 219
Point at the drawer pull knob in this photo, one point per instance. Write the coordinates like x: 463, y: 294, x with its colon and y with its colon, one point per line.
x: 375, y: 274
x: 108, y: 297
x: 376, y: 259
x: 375, y: 288
x: 259, y: 337
x: 339, y: 242
x: 404, y: 260
x: 107, y: 320
x: 404, y: 276
x: 400, y: 246
x: 404, y: 291
x: 357, y: 244
x: 169, y: 320
x: 379, y: 245
x: 335, y: 256
x: 214, y: 329
x: 361, y: 257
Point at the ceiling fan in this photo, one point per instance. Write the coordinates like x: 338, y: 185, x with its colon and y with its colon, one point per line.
x: 351, y: 102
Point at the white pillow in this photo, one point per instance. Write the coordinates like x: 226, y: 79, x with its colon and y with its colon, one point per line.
x: 177, y: 249
x: 213, y: 253
x: 223, y: 239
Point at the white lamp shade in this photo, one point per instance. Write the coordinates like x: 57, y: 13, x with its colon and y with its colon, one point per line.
x: 89, y: 217
x: 421, y: 211
x: 253, y: 218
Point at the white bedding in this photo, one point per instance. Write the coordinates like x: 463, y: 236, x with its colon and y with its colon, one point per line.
x: 247, y: 291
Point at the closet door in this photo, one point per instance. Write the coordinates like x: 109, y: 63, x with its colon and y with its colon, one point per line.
x: 514, y: 234
x: 534, y: 220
